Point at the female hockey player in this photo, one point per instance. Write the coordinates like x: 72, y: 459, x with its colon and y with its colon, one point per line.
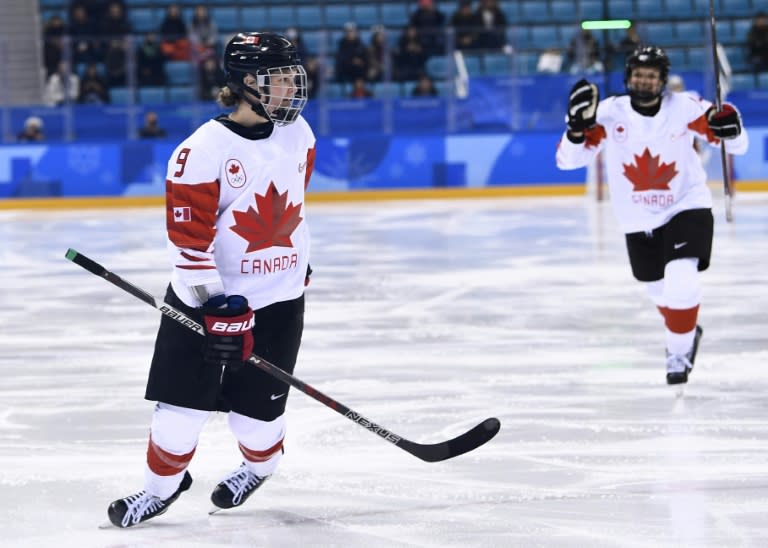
x: 239, y: 246
x: 657, y: 185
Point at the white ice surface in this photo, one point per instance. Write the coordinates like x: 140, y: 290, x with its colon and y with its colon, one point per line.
x: 426, y: 317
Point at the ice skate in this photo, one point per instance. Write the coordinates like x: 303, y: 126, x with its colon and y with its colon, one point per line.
x: 678, y: 367
x: 235, y: 489
x: 142, y: 506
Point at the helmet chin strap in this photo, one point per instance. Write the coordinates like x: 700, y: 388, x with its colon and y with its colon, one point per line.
x: 256, y: 106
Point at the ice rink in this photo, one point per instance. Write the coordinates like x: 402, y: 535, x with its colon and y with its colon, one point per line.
x: 426, y: 317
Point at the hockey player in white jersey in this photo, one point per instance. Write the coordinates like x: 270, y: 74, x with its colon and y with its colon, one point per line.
x: 657, y: 185
x: 239, y: 248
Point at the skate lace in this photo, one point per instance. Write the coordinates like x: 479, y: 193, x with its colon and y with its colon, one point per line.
x: 138, y: 505
x: 241, y: 482
x: 678, y: 363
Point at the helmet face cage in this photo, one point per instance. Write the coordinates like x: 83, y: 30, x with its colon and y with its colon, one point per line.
x: 272, y: 60
x: 648, y: 56
x: 283, y: 102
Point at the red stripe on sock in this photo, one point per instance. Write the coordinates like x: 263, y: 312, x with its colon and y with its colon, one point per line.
x: 261, y: 456
x: 164, y: 463
x: 680, y: 321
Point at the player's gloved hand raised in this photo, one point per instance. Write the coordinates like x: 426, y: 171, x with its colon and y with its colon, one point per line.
x: 725, y: 124
x: 228, y: 336
x: 582, y: 106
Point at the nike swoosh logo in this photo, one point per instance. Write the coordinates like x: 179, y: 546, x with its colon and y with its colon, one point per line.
x: 274, y: 397
x: 678, y: 246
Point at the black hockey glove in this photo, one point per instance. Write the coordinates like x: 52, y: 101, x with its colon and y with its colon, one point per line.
x: 725, y: 124
x: 228, y: 336
x: 582, y: 106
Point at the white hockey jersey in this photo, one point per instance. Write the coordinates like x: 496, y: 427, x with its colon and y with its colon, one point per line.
x: 235, y: 213
x: 652, y: 169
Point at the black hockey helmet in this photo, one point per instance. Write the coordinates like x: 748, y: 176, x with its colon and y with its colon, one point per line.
x: 647, y: 56
x: 266, y: 55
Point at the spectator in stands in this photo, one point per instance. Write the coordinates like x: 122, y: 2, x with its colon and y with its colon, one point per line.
x: 53, y: 43
x: 114, y: 25
x: 298, y: 42
x: 629, y: 43
x: 360, y: 89
x: 63, y: 86
x: 115, y: 63
x: 203, y: 34
x: 151, y: 128
x: 82, y: 32
x: 465, y: 25
x: 424, y: 87
x: 32, y: 132
x: 173, y: 35
x: 351, y: 56
x: 211, y: 79
x: 757, y: 42
x: 616, y: 54
x: 410, y: 57
x: 584, y: 54
x: 93, y: 87
x: 379, y: 67
x: 430, y: 24
x: 493, y: 25
x: 315, y: 75
x: 150, y: 62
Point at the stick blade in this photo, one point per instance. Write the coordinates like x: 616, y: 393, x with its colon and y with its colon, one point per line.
x: 466, y: 442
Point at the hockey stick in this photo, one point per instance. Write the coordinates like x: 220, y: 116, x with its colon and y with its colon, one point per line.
x: 434, y: 452
x: 727, y: 186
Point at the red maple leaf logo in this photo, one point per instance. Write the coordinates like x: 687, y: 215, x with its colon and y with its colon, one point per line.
x: 648, y: 174
x: 271, y: 225
x: 234, y: 168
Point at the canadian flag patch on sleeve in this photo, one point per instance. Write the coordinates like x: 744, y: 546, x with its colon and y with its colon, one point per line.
x: 182, y: 214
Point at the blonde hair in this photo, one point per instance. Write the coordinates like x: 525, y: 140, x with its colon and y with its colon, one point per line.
x: 227, y: 98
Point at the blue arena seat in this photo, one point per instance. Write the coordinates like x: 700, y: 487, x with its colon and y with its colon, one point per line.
x: 227, y: 18
x: 678, y: 9
x: 545, y: 36
x: 179, y: 72
x: 534, y: 11
x: 621, y: 9
x: 144, y: 19
x: 394, y: 14
x: 282, y: 17
x: 366, y: 15
x: 181, y: 94
x: 152, y: 96
x: 690, y: 32
x: 590, y: 9
x: 497, y: 64
x: 309, y: 17
x: 337, y: 14
x: 742, y: 81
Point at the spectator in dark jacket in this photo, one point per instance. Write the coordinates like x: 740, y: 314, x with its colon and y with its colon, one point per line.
x: 757, y: 42
x: 150, y: 61
x: 430, y: 23
x: 351, y: 56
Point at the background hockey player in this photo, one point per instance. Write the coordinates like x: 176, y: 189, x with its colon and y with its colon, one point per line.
x: 239, y: 245
x: 657, y: 185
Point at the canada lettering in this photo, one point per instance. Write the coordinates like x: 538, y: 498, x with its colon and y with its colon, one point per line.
x: 269, y: 266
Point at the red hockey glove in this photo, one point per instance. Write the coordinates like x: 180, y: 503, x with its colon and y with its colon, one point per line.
x: 725, y: 124
x: 582, y: 106
x: 228, y: 336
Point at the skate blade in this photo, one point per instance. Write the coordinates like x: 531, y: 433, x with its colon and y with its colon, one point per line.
x: 214, y: 510
x: 106, y: 525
